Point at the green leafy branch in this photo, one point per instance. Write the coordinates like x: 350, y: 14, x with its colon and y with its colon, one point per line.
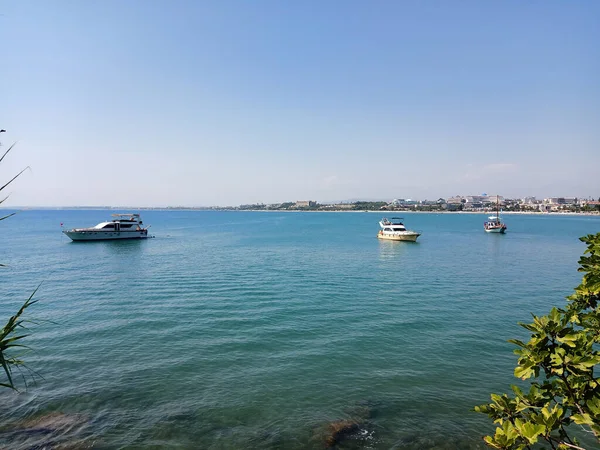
x: 561, y: 356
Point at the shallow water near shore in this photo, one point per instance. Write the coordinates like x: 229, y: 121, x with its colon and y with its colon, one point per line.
x: 261, y: 330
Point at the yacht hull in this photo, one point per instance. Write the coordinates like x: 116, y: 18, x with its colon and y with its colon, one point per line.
x: 105, y: 235
x: 409, y: 237
x: 501, y: 230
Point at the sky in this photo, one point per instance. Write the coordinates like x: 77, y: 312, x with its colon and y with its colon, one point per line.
x: 205, y: 103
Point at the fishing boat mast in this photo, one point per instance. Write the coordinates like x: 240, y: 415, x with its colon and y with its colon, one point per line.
x: 498, y: 208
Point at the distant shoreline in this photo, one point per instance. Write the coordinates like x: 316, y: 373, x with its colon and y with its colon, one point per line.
x: 381, y: 212
x: 390, y: 213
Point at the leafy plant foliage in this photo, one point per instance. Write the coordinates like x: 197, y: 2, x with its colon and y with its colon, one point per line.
x: 560, y: 356
x: 12, y: 333
x: 10, y: 339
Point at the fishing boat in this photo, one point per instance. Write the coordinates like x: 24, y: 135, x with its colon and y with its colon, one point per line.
x: 121, y: 226
x: 494, y: 223
x: 394, y: 230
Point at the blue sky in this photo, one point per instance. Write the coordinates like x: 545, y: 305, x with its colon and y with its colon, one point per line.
x: 198, y: 103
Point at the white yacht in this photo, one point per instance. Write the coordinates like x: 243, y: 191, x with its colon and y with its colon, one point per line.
x: 121, y: 226
x: 395, y: 230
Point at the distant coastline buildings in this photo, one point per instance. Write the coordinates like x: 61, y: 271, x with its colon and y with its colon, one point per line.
x: 305, y: 204
x: 468, y: 203
x: 472, y: 203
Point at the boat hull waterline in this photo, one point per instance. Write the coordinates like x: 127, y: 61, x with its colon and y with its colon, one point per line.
x: 409, y: 237
x: 496, y: 229
x: 81, y: 235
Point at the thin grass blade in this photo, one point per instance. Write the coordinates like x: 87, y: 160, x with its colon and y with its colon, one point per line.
x: 15, y: 177
x: 6, y: 152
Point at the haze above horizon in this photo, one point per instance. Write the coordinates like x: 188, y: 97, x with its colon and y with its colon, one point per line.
x: 226, y: 103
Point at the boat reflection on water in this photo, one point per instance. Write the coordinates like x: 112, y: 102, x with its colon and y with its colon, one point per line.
x: 391, y: 250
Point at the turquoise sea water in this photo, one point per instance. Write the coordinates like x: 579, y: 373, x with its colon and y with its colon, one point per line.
x: 259, y: 330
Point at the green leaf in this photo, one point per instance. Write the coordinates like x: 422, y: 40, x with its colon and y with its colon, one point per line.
x: 554, y: 315
x: 531, y: 431
x: 491, y: 442
x: 517, y: 342
x: 524, y: 372
x: 593, y: 405
x: 582, y: 419
x: 531, y: 327
x: 569, y: 339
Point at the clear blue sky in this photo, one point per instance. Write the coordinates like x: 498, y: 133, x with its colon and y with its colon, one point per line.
x: 194, y: 103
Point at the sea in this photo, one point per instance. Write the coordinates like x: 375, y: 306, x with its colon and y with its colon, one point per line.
x: 273, y: 330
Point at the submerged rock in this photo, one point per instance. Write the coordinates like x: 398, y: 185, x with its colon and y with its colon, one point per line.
x: 51, y: 422
x: 354, y: 431
x: 53, y: 430
x: 340, y: 430
x: 347, y: 433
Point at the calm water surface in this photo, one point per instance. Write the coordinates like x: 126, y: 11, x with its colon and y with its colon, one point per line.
x: 258, y: 330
